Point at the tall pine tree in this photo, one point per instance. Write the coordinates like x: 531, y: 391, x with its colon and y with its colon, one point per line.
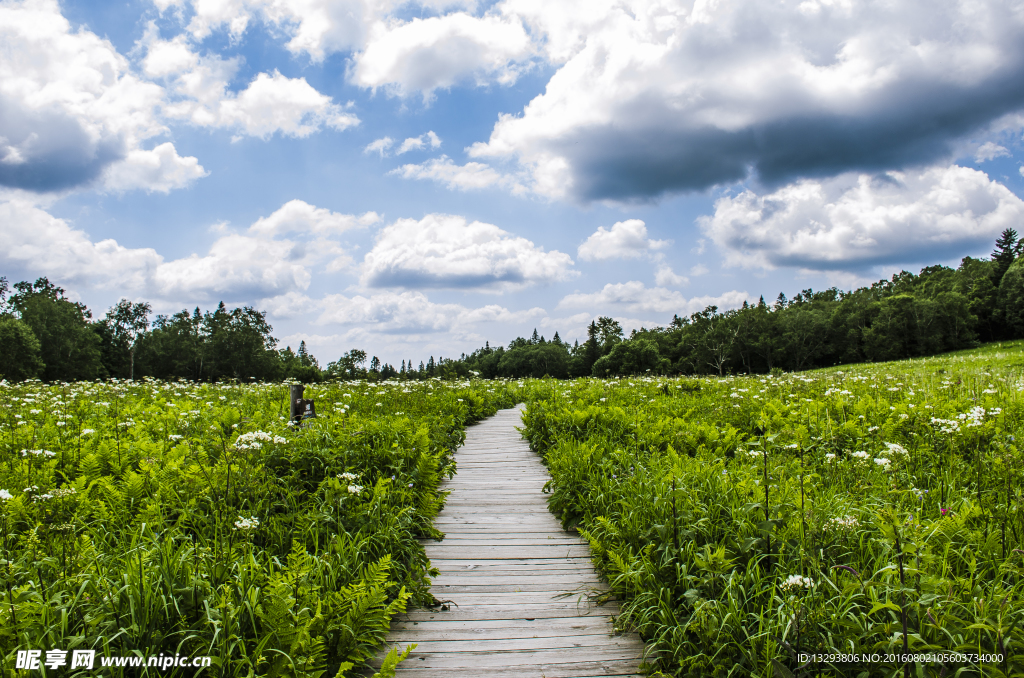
x: 1008, y: 248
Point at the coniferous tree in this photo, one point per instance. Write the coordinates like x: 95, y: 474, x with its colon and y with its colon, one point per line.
x: 1008, y: 248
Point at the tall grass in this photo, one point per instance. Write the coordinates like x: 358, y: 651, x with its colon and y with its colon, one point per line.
x: 180, y: 518
x: 748, y: 521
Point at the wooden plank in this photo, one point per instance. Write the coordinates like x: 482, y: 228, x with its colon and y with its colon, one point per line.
x: 588, y: 669
x: 604, y: 643
x: 500, y: 566
x: 545, y: 610
x: 488, y: 659
x: 530, y: 625
x: 509, y: 521
x: 549, y: 540
x: 488, y: 579
x: 457, y: 590
x: 466, y: 600
x: 441, y: 550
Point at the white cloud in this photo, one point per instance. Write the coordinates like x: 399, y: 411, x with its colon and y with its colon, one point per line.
x: 275, y: 103
x: 297, y: 216
x: 288, y: 305
x: 412, y: 312
x: 175, y: 56
x: 446, y: 251
x: 158, y: 170
x: 856, y: 221
x: 73, y: 113
x: 379, y: 146
x: 237, y: 267
x: 33, y: 242
x: 635, y: 297
x: 472, y: 175
x: 315, y: 27
x: 1021, y: 170
x: 664, y: 276
x: 989, y: 151
x: 653, y: 97
x: 270, y: 103
x: 419, y: 143
x: 422, y: 55
x: 626, y: 240
x: 405, y: 56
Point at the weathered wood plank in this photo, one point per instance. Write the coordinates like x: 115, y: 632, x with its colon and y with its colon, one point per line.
x: 484, y: 658
x: 593, y: 670
x: 532, y: 625
x: 441, y: 550
x: 604, y: 643
x: 545, y: 610
x: 467, y: 542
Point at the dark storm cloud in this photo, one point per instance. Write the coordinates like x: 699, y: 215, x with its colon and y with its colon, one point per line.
x: 49, y: 150
x: 676, y: 97
x: 908, y: 128
x: 397, y: 276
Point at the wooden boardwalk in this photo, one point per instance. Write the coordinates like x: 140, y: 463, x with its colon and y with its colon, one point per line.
x: 520, y: 587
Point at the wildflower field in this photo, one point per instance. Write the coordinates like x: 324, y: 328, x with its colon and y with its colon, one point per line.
x: 838, y: 522
x: 173, y: 518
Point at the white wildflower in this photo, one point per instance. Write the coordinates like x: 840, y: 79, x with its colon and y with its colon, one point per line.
x: 795, y: 581
x: 896, y: 448
x: 247, y: 524
x: 253, y: 440
x: 844, y: 523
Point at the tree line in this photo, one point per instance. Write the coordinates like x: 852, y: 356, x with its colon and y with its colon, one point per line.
x: 46, y: 335
x: 936, y: 310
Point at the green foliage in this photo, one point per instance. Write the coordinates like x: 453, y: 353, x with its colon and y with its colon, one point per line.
x: 744, y: 521
x: 121, y: 330
x: 20, y: 356
x: 939, y: 309
x: 1008, y: 248
x: 631, y: 357
x: 1011, y: 298
x: 148, y: 517
x: 68, y: 346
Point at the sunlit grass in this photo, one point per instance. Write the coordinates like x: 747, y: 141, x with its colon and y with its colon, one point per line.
x: 180, y: 518
x: 748, y: 520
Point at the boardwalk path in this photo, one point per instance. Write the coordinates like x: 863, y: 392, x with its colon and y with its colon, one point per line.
x: 507, y: 564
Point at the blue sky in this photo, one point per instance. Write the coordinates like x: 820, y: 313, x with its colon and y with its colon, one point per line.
x: 414, y: 178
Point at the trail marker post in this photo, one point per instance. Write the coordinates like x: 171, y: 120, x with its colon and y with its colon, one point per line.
x: 301, y: 408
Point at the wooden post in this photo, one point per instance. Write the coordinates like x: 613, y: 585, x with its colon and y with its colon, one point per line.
x: 295, y: 409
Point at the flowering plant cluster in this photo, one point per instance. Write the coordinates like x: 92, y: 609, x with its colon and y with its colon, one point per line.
x: 866, y: 483
x: 202, y: 497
